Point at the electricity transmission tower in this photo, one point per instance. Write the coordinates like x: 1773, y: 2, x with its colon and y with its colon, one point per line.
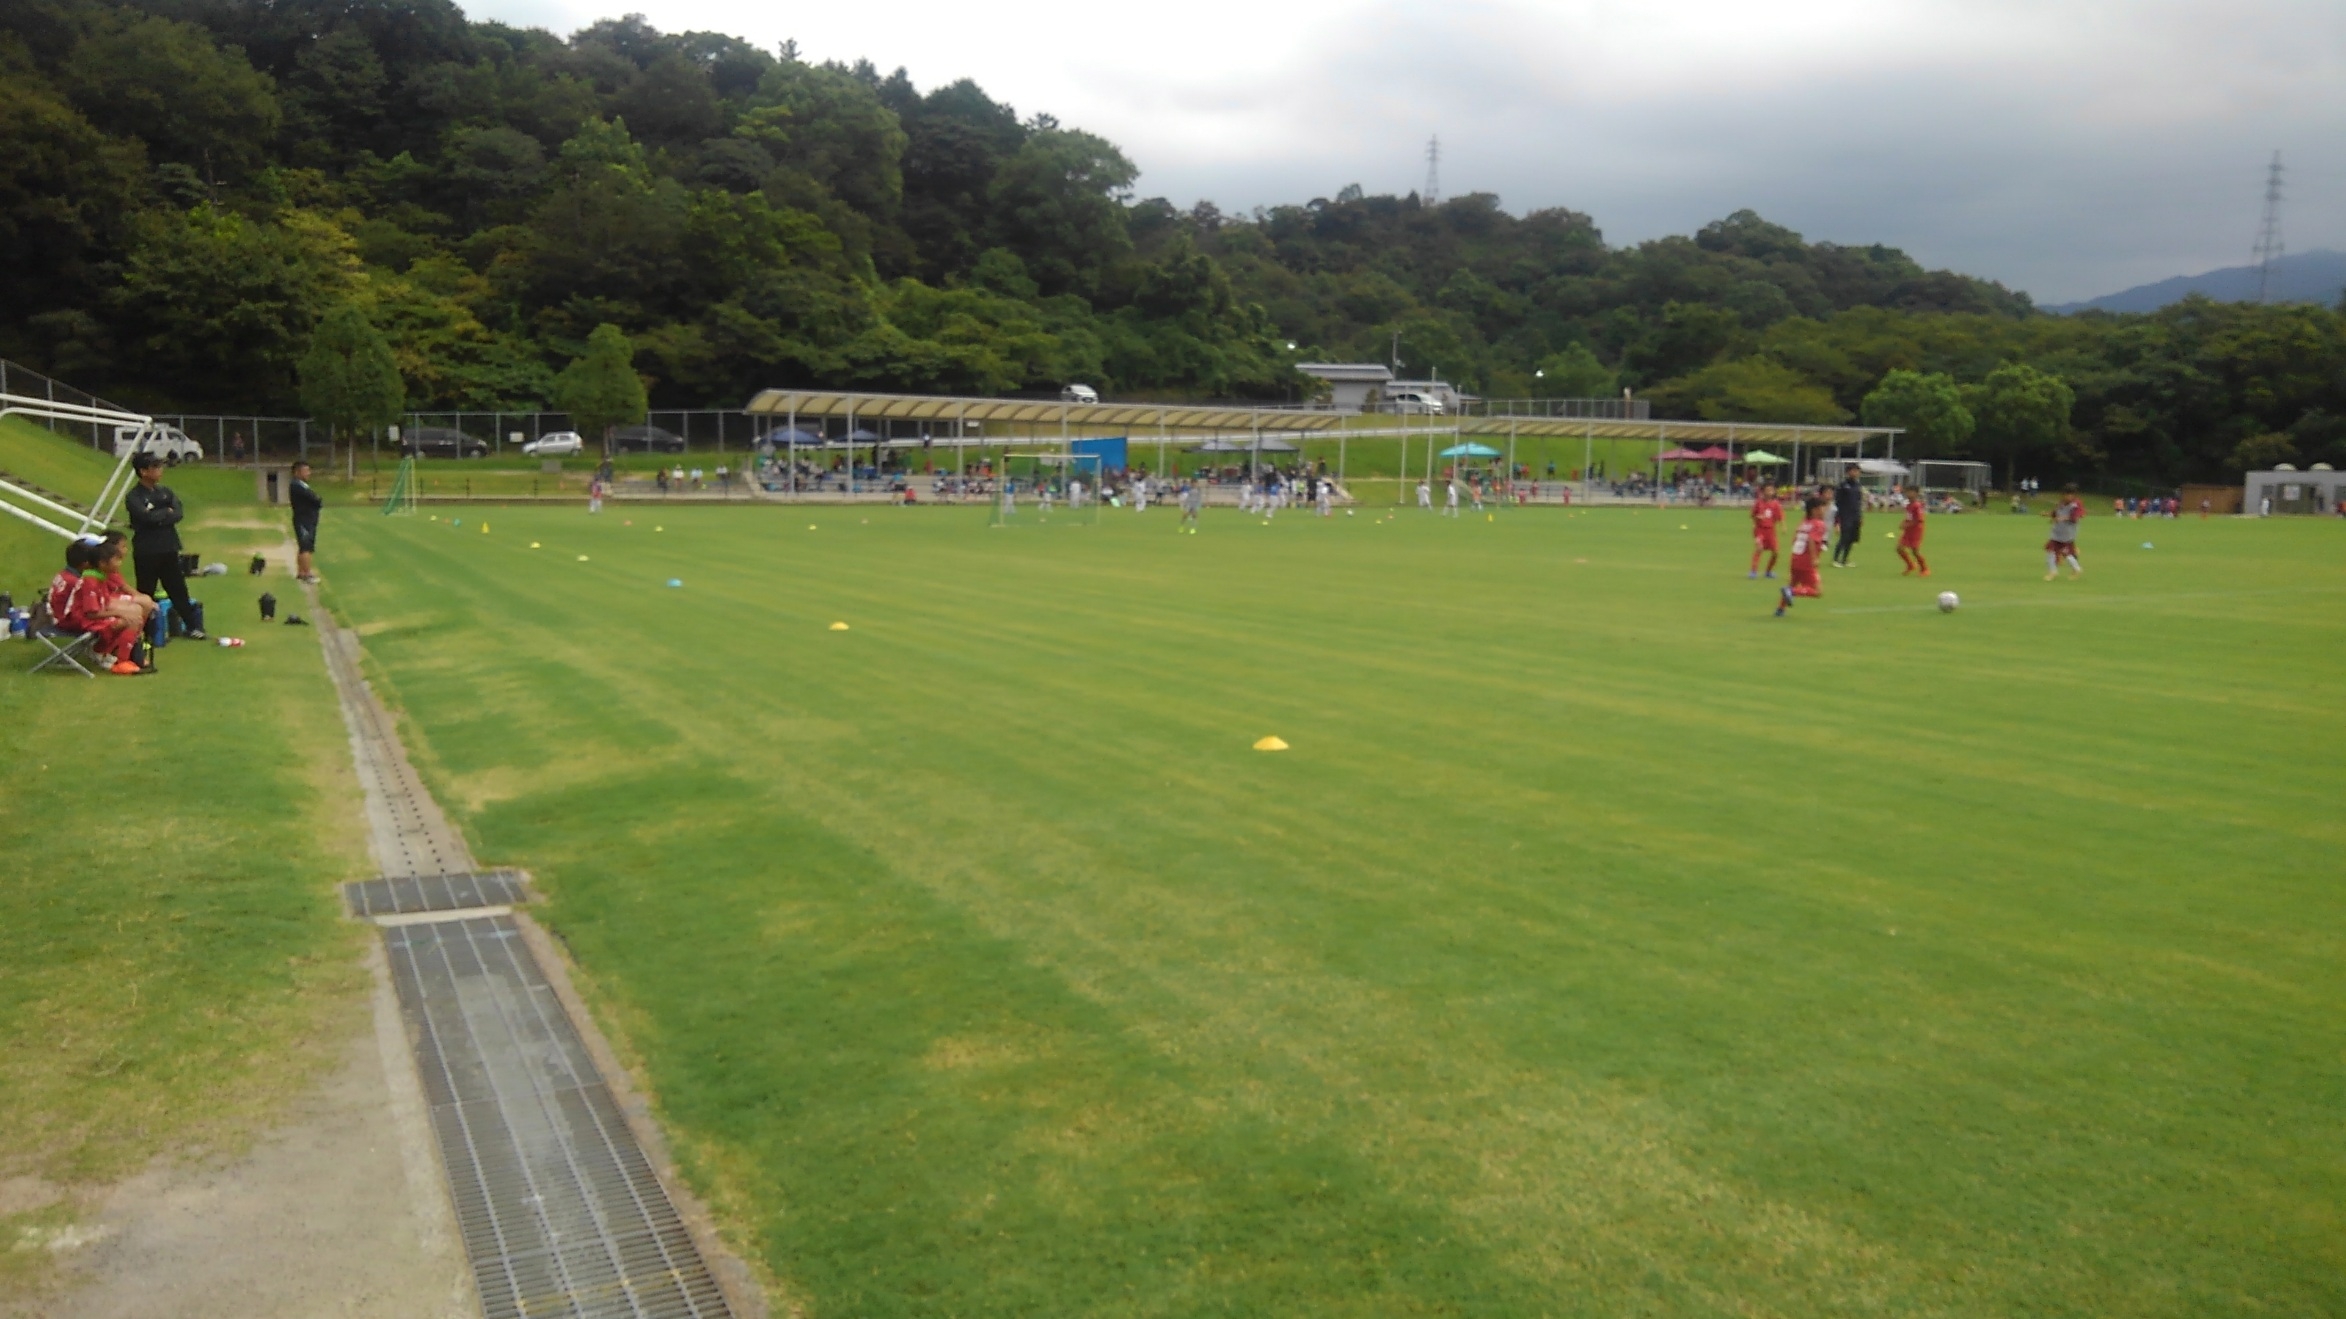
x: 1433, y: 193
x: 2268, y: 237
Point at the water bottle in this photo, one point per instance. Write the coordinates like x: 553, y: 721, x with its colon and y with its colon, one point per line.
x: 162, y: 623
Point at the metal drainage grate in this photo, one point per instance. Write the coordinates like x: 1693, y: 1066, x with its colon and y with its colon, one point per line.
x: 402, y: 895
x: 560, y: 1212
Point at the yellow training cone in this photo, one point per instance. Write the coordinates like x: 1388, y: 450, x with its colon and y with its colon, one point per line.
x: 484, y: 528
x: 533, y: 545
x: 582, y: 558
x: 659, y: 528
x: 1270, y: 744
x: 838, y: 627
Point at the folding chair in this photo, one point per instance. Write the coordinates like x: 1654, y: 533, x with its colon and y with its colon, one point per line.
x: 71, y: 649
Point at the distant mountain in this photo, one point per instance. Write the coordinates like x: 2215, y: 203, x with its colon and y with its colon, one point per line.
x: 2317, y: 276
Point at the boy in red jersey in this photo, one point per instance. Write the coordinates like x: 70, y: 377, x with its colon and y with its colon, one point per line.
x: 92, y: 610
x: 1807, y: 542
x: 1910, y: 535
x: 2062, y: 546
x: 1766, y: 512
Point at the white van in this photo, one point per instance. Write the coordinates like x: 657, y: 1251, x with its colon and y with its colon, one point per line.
x: 1411, y: 402
x: 1079, y: 394
x: 167, y: 442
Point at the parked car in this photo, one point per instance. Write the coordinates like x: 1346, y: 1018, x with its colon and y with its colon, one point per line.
x: 168, y: 441
x: 443, y: 442
x: 645, y: 439
x: 555, y: 444
x: 1410, y: 401
x: 1079, y: 394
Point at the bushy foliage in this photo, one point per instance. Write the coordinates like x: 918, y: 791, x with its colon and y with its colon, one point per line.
x: 187, y: 188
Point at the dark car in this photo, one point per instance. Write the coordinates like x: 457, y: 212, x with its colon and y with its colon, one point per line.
x: 645, y: 439
x: 444, y: 442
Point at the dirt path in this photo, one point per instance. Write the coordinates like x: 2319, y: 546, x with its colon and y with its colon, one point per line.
x: 337, y: 1212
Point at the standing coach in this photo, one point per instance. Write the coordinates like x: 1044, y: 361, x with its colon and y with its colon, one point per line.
x: 1849, y: 511
x: 154, y: 541
x: 306, y: 506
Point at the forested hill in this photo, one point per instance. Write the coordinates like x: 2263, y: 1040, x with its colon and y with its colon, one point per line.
x: 188, y: 186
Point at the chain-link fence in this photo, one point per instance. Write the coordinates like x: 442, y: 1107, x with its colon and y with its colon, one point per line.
x: 663, y: 430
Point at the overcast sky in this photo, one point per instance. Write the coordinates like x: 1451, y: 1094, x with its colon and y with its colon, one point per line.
x: 2066, y: 147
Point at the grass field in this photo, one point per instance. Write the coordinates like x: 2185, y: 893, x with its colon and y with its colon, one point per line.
x: 172, y: 962
x: 1603, y: 945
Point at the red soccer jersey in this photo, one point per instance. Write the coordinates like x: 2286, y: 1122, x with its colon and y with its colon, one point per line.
x: 1765, y: 514
x: 86, y: 608
x: 1809, y: 539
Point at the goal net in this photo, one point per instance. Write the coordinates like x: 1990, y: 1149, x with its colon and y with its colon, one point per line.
x: 1047, y: 489
x: 402, y: 497
x: 1939, y: 476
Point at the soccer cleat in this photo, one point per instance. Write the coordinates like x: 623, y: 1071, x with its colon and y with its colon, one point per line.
x: 1753, y: 575
x: 1770, y: 574
x: 2051, y: 576
x: 196, y: 634
x: 125, y: 668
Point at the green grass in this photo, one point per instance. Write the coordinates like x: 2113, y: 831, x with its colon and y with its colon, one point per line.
x: 1603, y: 945
x: 172, y: 965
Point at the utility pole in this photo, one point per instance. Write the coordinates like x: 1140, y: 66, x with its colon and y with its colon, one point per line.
x: 1433, y: 193
x: 1396, y: 352
x: 2268, y: 236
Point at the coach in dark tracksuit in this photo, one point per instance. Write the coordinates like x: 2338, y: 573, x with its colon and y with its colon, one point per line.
x: 306, y: 507
x: 154, y: 541
x: 1849, y: 511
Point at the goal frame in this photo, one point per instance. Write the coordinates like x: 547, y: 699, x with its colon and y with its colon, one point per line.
x: 1020, y: 473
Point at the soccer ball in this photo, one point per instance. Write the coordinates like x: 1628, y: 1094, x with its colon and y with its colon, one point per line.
x: 1947, y: 602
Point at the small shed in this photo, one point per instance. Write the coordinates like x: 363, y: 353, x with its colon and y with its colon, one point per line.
x: 2292, y: 491
x: 1349, y: 383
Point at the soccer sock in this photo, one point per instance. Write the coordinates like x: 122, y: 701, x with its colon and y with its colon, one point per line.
x: 2052, y: 561
x: 2075, y: 566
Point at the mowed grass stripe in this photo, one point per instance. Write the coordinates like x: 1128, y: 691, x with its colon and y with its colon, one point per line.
x: 1568, y: 921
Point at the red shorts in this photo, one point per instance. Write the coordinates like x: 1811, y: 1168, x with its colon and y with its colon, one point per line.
x: 1764, y: 539
x: 1910, y: 540
x: 2064, y: 548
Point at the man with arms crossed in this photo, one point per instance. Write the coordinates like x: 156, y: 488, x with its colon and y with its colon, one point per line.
x: 154, y: 541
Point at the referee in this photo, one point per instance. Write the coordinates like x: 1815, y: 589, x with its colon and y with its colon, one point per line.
x: 154, y: 541
x: 1849, y: 511
x: 306, y: 506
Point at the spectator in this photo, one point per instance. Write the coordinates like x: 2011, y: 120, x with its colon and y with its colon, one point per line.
x: 155, y: 514
x: 306, y: 507
x: 96, y: 609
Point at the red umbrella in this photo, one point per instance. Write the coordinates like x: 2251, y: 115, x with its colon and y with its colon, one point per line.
x: 1715, y: 454
x: 1678, y: 455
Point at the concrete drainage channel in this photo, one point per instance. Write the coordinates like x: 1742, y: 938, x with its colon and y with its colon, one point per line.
x: 560, y: 1211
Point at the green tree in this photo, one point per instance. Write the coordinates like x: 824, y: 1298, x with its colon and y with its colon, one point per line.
x: 2022, y: 412
x: 2262, y: 453
x: 1749, y: 389
x: 1059, y: 205
x: 1575, y: 373
x: 167, y: 84
x: 348, y: 377
x: 600, y: 390
x: 1928, y: 407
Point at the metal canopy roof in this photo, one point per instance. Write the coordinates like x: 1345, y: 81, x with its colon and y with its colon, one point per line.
x: 1091, y: 416
x: 1138, y: 419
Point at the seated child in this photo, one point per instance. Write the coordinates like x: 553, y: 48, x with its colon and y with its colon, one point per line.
x: 64, y: 584
x: 135, y: 606
x: 94, y: 609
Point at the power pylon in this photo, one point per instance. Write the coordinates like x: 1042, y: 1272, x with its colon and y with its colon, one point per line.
x: 2268, y: 237
x: 1433, y: 193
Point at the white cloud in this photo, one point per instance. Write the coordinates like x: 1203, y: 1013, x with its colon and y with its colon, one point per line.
x: 2069, y: 147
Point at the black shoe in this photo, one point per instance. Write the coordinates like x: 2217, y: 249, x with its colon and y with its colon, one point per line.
x: 195, y: 635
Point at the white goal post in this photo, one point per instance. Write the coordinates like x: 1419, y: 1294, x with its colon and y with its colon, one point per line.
x: 1949, y: 476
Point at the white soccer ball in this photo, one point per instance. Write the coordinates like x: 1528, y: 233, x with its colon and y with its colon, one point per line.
x: 1947, y: 602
